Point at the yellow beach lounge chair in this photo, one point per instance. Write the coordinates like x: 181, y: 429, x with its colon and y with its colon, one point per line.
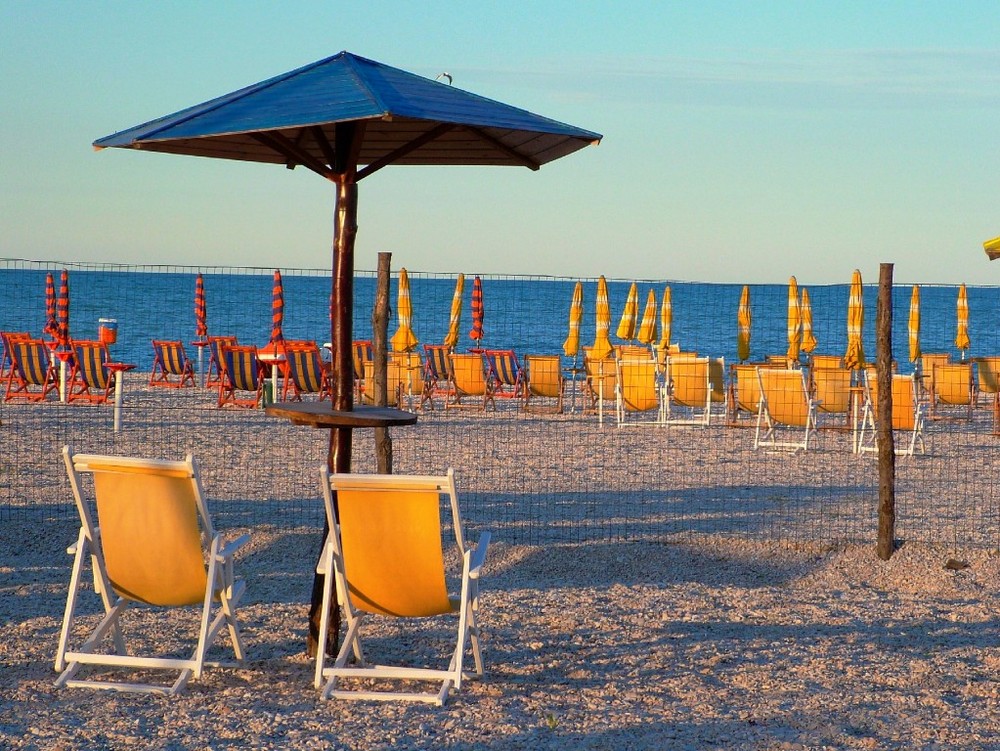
x: 601, y: 377
x: 151, y: 543
x: 744, y: 392
x: 404, y: 372
x: 361, y: 353
x: 505, y: 370
x: 639, y: 389
x: 385, y: 555
x: 241, y: 371
x: 907, y: 415
x: 689, y: 390
x: 831, y: 388
x: 988, y: 372
x: 951, y: 386
x: 544, y: 380
x: 784, y: 402
x: 304, y: 372
x: 467, y: 373
x: 171, y: 366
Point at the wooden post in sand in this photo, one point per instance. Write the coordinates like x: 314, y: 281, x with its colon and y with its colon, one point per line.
x: 380, y: 337
x: 886, y: 446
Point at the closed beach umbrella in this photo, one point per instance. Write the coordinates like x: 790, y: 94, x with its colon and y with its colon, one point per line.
x: 808, y: 338
x: 404, y: 339
x: 648, y: 329
x: 51, y: 325
x: 626, y: 327
x: 962, y: 333
x: 794, y: 321
x: 277, y: 309
x: 200, y: 308
x: 666, y: 320
x: 854, y: 358
x: 478, y: 314
x: 744, y: 320
x: 571, y: 347
x: 62, y: 311
x: 914, y: 324
x: 451, y: 340
x: 602, y: 345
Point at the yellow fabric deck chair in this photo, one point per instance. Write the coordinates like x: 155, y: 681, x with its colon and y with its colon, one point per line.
x: 361, y: 353
x: 907, y: 415
x: 988, y: 372
x: 744, y: 392
x: 467, y: 373
x: 544, y: 380
x: 826, y: 361
x: 89, y: 380
x: 305, y: 372
x: 31, y: 366
x: 927, y: 363
x: 689, y: 391
x: 404, y: 379
x: 831, y: 389
x: 151, y: 542
x: 241, y: 371
x: 384, y: 554
x: 951, y: 386
x: 784, y: 401
x: 169, y: 359
x: 437, y: 381
x: 639, y: 389
x: 600, y: 381
x: 717, y: 382
x: 213, y: 377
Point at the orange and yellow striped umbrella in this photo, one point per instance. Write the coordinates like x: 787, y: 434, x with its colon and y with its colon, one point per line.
x: 794, y: 321
x: 602, y: 345
x: 744, y: 320
x: 962, y: 333
x: 914, y: 324
x: 451, y: 340
x: 648, y: 330
x: 854, y: 358
x: 404, y: 339
x: 571, y: 347
x: 666, y: 321
x: 808, y: 338
x: 277, y: 309
x: 626, y: 327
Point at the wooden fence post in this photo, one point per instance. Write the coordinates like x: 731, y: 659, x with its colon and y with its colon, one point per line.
x: 886, y: 445
x: 380, y: 337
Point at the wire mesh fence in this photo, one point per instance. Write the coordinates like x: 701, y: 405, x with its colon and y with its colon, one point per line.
x: 626, y: 457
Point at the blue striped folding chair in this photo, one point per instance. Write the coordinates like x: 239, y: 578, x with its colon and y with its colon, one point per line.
x: 89, y: 380
x: 215, y: 343
x: 31, y: 365
x: 241, y: 371
x: 170, y: 360
x: 437, y: 380
x: 305, y: 372
x: 506, y: 372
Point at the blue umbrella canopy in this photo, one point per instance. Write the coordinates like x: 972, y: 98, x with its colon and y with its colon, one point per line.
x: 292, y: 119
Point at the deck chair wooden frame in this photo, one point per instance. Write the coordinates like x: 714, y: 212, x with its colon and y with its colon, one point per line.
x: 384, y: 554
x: 988, y: 377
x: 151, y: 543
x: 689, y: 390
x: 304, y: 372
x: 784, y: 402
x: 907, y: 416
x: 468, y: 375
x: 89, y: 379
x: 31, y: 366
x: 241, y: 371
x: 436, y: 377
x: 600, y: 381
x: 506, y: 372
x: 171, y: 366
x: 639, y: 389
x: 952, y: 385
x: 213, y: 376
x: 543, y: 380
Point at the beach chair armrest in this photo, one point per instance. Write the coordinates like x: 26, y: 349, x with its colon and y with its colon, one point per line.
x: 478, y: 557
x: 229, y: 548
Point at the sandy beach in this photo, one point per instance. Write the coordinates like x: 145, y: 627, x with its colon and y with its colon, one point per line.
x: 698, y: 632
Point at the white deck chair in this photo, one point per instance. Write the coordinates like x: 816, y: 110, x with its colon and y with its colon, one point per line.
x: 784, y: 401
x: 145, y: 547
x: 386, y: 558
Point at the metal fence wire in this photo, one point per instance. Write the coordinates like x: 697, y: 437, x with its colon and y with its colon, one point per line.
x: 592, y: 472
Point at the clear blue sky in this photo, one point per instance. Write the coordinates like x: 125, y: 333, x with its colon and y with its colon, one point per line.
x: 743, y: 141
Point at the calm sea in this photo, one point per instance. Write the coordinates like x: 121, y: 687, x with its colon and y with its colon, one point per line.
x: 528, y: 314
